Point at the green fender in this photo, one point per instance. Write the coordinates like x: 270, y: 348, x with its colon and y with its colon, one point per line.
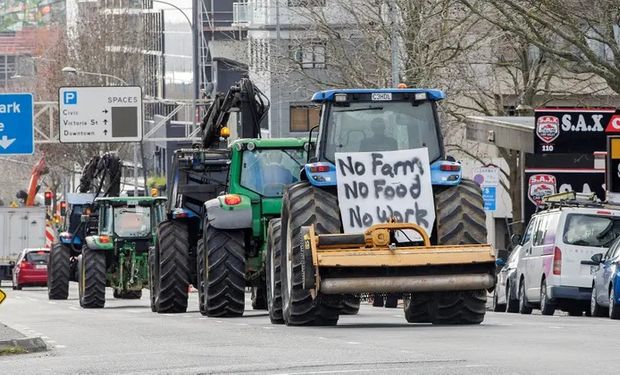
x: 224, y: 216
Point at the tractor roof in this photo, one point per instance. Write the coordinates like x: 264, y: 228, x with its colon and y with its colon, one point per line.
x: 328, y: 95
x: 272, y: 142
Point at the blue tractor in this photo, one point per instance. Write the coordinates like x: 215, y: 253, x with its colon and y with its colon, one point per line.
x: 442, y: 273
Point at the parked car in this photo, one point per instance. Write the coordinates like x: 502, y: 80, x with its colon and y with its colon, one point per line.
x: 31, y: 268
x: 551, y: 274
x: 605, y: 298
x: 505, y: 294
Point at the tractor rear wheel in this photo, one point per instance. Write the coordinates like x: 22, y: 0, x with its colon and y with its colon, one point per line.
x: 154, y: 277
x: 58, y: 272
x: 200, y: 276
x: 173, y: 275
x: 92, y: 278
x: 225, y: 272
x: 273, y: 263
x: 305, y: 205
x: 350, y: 304
x: 460, y: 220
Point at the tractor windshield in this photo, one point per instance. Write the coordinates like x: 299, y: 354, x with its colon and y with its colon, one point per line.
x: 382, y: 126
x: 132, y: 221
x: 268, y: 171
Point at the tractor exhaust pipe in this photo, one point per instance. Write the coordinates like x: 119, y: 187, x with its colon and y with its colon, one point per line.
x: 407, y: 284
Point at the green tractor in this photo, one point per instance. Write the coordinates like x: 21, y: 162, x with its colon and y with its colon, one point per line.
x: 115, y: 254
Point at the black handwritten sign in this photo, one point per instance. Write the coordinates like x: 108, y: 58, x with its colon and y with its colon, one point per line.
x: 375, y: 187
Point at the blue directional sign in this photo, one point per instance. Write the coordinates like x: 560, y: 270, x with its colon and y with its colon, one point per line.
x: 16, y: 124
x: 489, y: 196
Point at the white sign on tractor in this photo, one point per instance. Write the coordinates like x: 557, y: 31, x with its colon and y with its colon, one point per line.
x: 376, y: 187
x: 100, y: 114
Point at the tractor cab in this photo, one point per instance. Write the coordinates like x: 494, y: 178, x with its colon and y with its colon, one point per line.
x: 130, y: 218
x: 367, y: 120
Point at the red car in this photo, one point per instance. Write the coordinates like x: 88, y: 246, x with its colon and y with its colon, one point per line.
x: 31, y: 268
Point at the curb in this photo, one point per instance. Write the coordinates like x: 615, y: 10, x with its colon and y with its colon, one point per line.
x: 25, y: 345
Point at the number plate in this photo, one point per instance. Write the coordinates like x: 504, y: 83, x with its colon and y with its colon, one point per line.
x: 382, y: 96
x: 41, y: 266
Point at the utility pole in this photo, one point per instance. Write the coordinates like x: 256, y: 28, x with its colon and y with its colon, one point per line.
x: 196, y: 53
x: 394, y: 42
x: 278, y: 56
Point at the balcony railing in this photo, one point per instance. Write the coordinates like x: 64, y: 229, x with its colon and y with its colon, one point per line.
x: 242, y: 14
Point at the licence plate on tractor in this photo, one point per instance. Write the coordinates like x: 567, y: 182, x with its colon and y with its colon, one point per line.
x: 382, y: 96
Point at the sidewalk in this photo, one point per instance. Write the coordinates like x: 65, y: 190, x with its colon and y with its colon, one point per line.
x: 14, y: 342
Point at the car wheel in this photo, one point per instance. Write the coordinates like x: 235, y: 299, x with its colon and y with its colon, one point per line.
x: 614, y: 309
x: 596, y: 309
x: 546, y: 306
x: 498, y: 307
x: 524, y: 307
x: 512, y: 305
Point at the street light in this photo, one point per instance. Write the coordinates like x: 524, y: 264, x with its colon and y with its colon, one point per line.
x: 72, y: 70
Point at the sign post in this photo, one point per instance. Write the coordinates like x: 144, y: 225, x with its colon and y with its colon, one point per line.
x: 16, y: 124
x: 100, y: 114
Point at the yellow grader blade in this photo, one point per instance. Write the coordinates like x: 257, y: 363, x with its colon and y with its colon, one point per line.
x: 373, y: 262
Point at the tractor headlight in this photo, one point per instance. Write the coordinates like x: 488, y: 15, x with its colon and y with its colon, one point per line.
x: 251, y: 146
x: 340, y: 98
x: 420, y: 96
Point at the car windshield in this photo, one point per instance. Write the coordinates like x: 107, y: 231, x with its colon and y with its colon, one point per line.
x: 591, y: 230
x: 37, y: 257
x: 382, y: 126
x: 268, y: 171
x: 132, y: 221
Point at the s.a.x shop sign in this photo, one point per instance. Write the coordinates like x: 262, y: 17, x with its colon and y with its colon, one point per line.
x: 574, y: 130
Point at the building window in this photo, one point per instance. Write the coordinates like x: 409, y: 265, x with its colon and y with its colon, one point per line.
x: 306, y: 3
x: 8, y: 69
x: 304, y: 117
x: 309, y: 56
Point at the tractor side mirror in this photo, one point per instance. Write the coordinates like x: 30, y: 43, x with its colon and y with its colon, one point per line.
x: 516, y: 239
x: 500, y: 262
x: 597, y: 258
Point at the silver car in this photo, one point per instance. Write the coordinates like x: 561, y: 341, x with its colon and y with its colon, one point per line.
x: 505, y: 295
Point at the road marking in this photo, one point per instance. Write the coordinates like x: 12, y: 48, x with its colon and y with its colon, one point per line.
x: 556, y: 327
x: 60, y: 346
x: 242, y: 324
x: 353, y: 342
x: 219, y: 321
x: 268, y: 327
x: 73, y: 308
x: 51, y: 341
x: 187, y: 316
x: 51, y: 302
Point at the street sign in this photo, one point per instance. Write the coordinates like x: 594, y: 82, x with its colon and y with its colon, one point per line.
x: 486, y: 176
x: 489, y: 196
x: 100, y: 114
x: 2, y: 296
x: 16, y: 124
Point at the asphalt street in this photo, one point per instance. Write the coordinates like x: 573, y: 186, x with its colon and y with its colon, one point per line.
x: 126, y: 337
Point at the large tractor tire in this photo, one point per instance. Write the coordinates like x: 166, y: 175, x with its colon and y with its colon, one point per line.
x: 460, y: 220
x: 417, y: 308
x: 128, y: 294
x: 273, y: 263
x: 59, y: 272
x: 201, y: 256
x: 153, y: 261
x: 91, y: 278
x: 305, y: 205
x: 350, y: 304
x: 173, y: 273
x: 225, y: 272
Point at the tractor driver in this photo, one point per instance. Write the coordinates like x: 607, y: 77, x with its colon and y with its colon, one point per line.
x: 379, y: 141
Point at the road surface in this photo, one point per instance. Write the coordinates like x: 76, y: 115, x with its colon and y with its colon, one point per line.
x: 126, y: 337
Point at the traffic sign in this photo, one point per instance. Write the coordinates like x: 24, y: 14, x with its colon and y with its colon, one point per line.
x: 16, y: 124
x: 100, y: 114
x: 486, y: 176
x: 489, y: 196
x: 2, y: 296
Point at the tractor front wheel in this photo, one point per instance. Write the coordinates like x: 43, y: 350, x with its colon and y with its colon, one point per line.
x: 225, y: 272
x: 273, y: 263
x: 173, y: 274
x: 91, y: 278
x: 305, y: 205
x: 58, y: 272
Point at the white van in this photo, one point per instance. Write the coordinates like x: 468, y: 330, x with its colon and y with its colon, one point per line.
x: 550, y: 271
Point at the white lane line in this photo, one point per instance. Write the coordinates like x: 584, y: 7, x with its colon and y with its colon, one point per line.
x: 202, y: 318
x: 51, y: 341
x: 219, y: 321
x: 60, y: 346
x: 51, y: 302
x: 267, y: 327
x: 353, y: 342
x: 73, y: 308
x: 187, y: 316
x: 556, y: 327
x: 242, y: 324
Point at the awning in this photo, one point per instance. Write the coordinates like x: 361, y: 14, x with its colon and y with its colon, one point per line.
x: 515, y: 133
